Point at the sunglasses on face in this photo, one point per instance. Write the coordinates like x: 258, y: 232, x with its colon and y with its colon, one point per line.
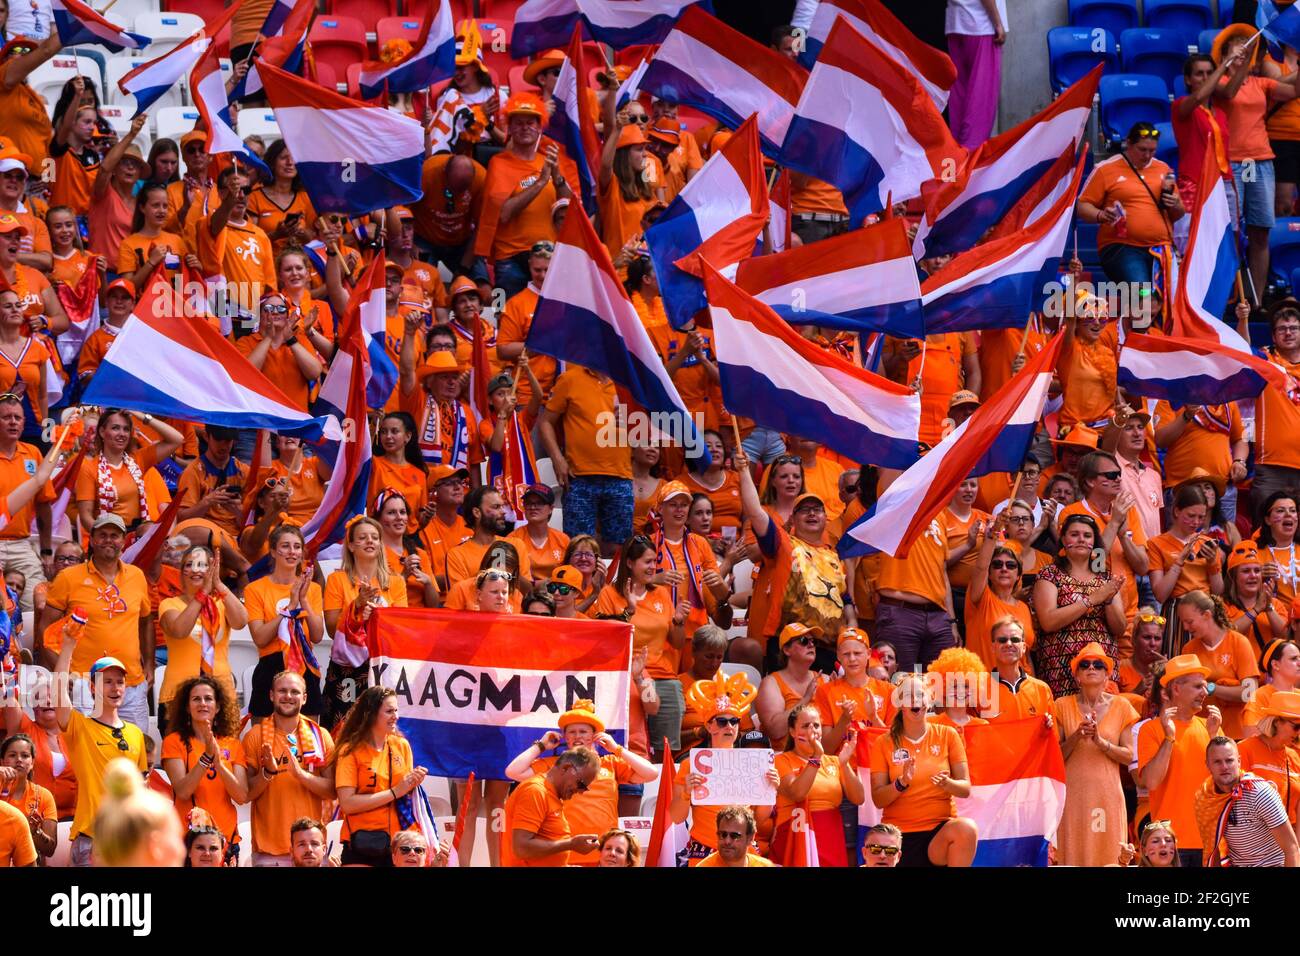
x: 642, y: 119
x: 727, y: 721
x: 560, y: 589
x: 1109, y: 475
x: 725, y: 836
x: 805, y: 641
x: 876, y: 850
x: 275, y: 310
x: 1004, y: 566
x: 1008, y: 640
x: 408, y: 850
x: 1092, y: 665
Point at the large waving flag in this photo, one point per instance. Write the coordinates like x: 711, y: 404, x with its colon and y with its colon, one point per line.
x: 168, y: 363
x: 353, y: 158
x: 774, y: 375
x: 149, y: 81
x: 861, y: 281
x: 284, y: 40
x: 572, y: 125
x: 78, y: 24
x: 208, y: 89
x: 541, y: 25
x: 868, y: 126
x: 585, y: 316
x: 1205, y: 361
x: 523, y: 674
x: 996, y: 175
x: 1039, y: 199
x: 667, y: 839
x: 1017, y: 794
x: 644, y: 23
x: 997, y: 284
x: 706, y: 64
x: 366, y: 306
x: 1280, y: 29
x: 932, y: 68
x: 719, y: 214
x: 995, y: 438
x: 431, y: 60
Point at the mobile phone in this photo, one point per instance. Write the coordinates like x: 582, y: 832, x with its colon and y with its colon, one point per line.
x: 292, y: 217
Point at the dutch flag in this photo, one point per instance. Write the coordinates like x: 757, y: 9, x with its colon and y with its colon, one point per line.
x: 432, y: 59
x: 77, y: 24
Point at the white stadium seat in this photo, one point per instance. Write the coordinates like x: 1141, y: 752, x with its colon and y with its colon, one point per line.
x: 258, y: 120
x: 173, y: 122
x: 168, y: 30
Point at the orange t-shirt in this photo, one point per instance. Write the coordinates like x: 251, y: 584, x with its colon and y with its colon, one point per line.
x: 828, y: 697
x: 809, y: 194
x: 16, y: 846
x: 1198, y: 446
x: 306, y: 487
x: 438, y: 539
x: 1031, y: 698
x: 650, y: 625
x: 436, y: 220
x: 128, y: 492
x: 243, y: 254
x: 981, y: 617
x: 940, y: 368
x: 73, y: 178
x: 1173, y: 799
x: 463, y: 596
x: 998, y: 350
x: 263, y: 210
x: 464, y: 559
x: 508, y: 175
x: 621, y: 217
x: 516, y: 320
x: 923, y: 572
x: 196, y: 482
x: 211, y: 794
x: 134, y: 251
x: 68, y: 269
x: 14, y: 470
x: 1230, y: 664
x: 35, y: 799
x: 264, y: 600
x: 821, y: 477
x: 1114, y: 180
x: 1163, y: 551
x: 1088, y: 374
x: 536, y: 808
x: 543, y: 560
x: 1277, y: 421
x: 826, y: 793
x: 27, y: 124
x: 281, y: 367
x: 725, y: 498
x: 367, y: 770
x: 955, y: 531
x: 924, y: 806
x: 39, y: 234
x: 596, y: 810
x: 582, y: 401
x: 1247, y: 133
x: 407, y: 479
x: 284, y: 800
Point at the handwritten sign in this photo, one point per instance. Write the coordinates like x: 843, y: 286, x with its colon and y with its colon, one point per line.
x: 733, y: 776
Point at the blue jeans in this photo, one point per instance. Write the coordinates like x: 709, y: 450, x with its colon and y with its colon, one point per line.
x: 1123, y: 263
x: 599, y: 500
x: 511, y: 275
x: 763, y: 445
x: 1256, y: 194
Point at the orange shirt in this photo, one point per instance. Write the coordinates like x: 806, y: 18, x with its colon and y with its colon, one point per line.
x: 340, y: 591
x: 1247, y: 134
x: 1231, y: 663
x: 281, y: 367
x: 35, y: 283
x: 621, y: 217
x: 516, y: 319
x: 596, y: 810
x: 35, y: 799
x: 197, y: 482
x: 39, y: 235
x: 247, y: 23
x: 725, y: 498
x: 113, y: 623
x: 940, y: 368
x: 306, y: 487
x: 407, y: 479
x: 998, y: 350
x: 508, y: 175
x: 650, y: 625
x: 442, y: 220
x: 14, y: 470
x: 16, y: 846
x: 284, y: 800
x: 1198, y: 446
x: 772, y: 581
x: 69, y: 269
x: 981, y: 617
x: 242, y: 253
x: 128, y: 492
x: 1280, y: 767
x: 751, y: 859
x: 27, y: 124
x: 211, y: 794
x: 135, y: 249
x: 684, y: 160
x: 438, y: 539
x: 955, y: 531
x: 1030, y: 698
x: 185, y: 653
x: 830, y: 694
x: 535, y: 808
x: 826, y: 793
x: 425, y: 281
x: 1163, y: 551
x: 1173, y: 799
x: 821, y: 477
x: 463, y: 596
x: 264, y: 600
x: 264, y: 211
x: 809, y: 194
x: 541, y: 560
x: 923, y: 571
x: 582, y: 401
x: 672, y: 556
x: 1277, y: 421
x: 368, y: 770
x: 28, y: 366
x: 206, y: 204
x: 464, y: 559
x: 1114, y: 180
x: 73, y: 178
x: 924, y: 806
x: 1252, y: 713
x: 1088, y: 374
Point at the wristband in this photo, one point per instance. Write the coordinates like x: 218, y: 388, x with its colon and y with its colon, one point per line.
x: 900, y: 786
x: 815, y: 762
x: 291, y: 341
x: 47, y: 552
x: 541, y: 747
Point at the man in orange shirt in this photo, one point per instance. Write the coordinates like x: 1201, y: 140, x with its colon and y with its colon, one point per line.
x: 19, y: 462
x: 523, y: 183
x: 488, y: 520
x: 946, y: 364
x: 595, y: 467
x: 538, y: 833
x: 445, y: 426
x: 1018, y: 695
x: 195, y: 195
x: 736, y: 828
x: 1277, y: 412
x: 914, y: 607
x: 212, y: 486
x: 443, y: 526
x: 228, y: 243
x: 536, y: 540
x: 446, y: 213
x: 517, y: 319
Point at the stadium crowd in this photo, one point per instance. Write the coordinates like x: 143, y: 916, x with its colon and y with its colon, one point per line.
x: 1133, y: 586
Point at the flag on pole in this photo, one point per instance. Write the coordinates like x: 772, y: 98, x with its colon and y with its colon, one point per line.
x: 431, y: 60
x: 77, y: 25
x: 151, y: 80
x: 572, y: 125
x: 284, y: 39
x: 208, y: 90
x: 667, y: 839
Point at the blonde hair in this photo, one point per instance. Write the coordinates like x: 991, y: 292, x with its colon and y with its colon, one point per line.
x: 128, y: 814
x: 349, y: 562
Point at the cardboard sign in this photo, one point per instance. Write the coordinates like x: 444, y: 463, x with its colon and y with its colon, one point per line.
x: 733, y: 776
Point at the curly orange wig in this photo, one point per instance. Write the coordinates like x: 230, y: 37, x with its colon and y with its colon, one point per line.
x: 957, y: 660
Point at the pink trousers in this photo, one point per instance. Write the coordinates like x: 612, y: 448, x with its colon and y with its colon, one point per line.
x: 973, y: 102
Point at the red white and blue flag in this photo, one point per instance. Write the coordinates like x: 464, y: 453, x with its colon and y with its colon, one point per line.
x: 960, y: 210
x: 863, y: 280
x: 1040, y: 198
x: 780, y: 221
x: 572, y: 124
x: 77, y: 25
x: 353, y: 158
x: 719, y: 215
x: 150, y: 81
x: 475, y: 689
x: 584, y: 316
x: 998, y: 284
x: 284, y: 40
x: 932, y: 68
x: 706, y: 64
x: 995, y: 438
x: 1017, y: 795
x: 208, y: 88
x: 644, y: 23
x: 169, y: 363
x: 867, y: 126
x: 542, y: 25
x: 367, y: 307
x: 431, y: 60
x: 668, y: 840
x: 780, y: 379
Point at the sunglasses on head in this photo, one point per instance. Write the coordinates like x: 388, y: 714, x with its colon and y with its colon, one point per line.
x: 494, y: 574
x: 1151, y: 619
x: 877, y: 850
x: 1158, y: 825
x: 787, y: 460
x: 1092, y: 665
x: 1146, y: 132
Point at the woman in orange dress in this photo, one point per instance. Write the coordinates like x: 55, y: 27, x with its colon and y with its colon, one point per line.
x: 815, y: 783
x: 1096, y: 733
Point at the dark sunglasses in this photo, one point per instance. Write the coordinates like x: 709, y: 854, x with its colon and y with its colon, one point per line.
x: 1003, y: 565
x: 731, y: 837
x: 875, y: 850
x: 787, y: 460
x: 275, y: 309
x: 1008, y: 640
x: 805, y: 641
x: 1109, y: 475
x: 642, y: 119
x: 554, y: 587
x: 727, y: 721
x: 121, y: 741
x: 1092, y: 665
x: 408, y: 850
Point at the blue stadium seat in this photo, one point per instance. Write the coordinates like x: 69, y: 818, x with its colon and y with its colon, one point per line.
x: 1160, y: 52
x: 1205, y: 40
x: 1225, y: 12
x: 1167, y: 146
x: 1088, y: 254
x: 1189, y: 16
x: 1112, y: 15
x: 1284, y: 249
x: 1180, y: 86
x: 1073, y: 51
x: 1128, y: 98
